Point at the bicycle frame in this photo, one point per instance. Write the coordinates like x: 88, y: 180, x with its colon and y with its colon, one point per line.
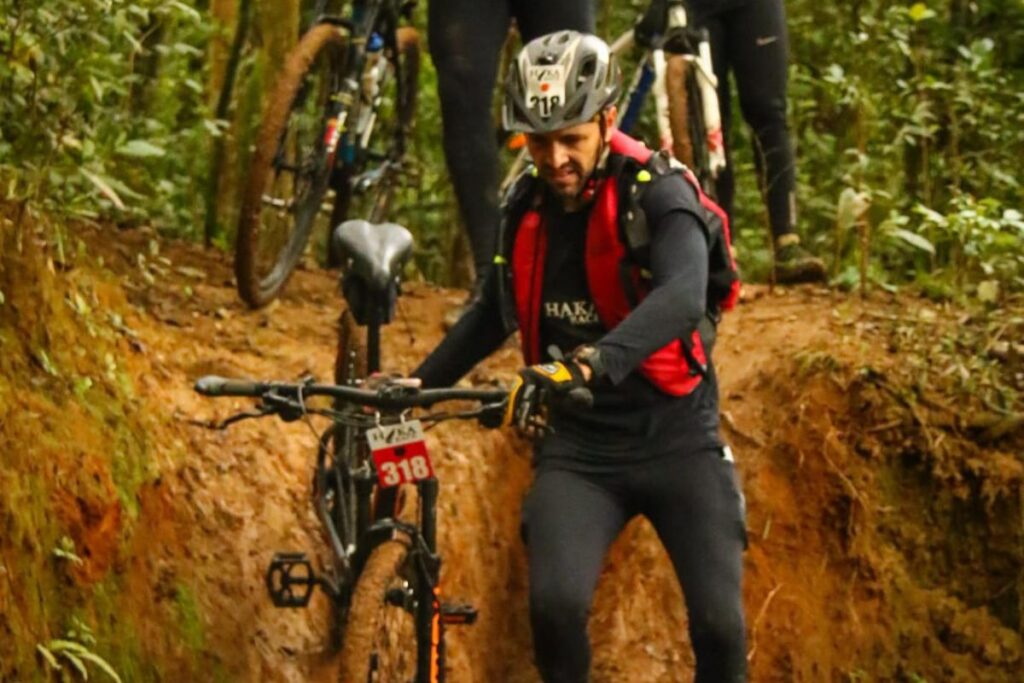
x: 371, y: 28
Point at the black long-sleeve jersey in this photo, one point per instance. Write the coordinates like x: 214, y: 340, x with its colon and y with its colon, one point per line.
x: 628, y: 409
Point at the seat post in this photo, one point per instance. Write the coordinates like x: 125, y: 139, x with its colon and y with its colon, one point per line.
x: 373, y: 325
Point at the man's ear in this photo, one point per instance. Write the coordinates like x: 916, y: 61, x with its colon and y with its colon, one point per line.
x: 609, y: 122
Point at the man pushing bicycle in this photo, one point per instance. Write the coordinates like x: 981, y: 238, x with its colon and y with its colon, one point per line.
x: 614, y: 267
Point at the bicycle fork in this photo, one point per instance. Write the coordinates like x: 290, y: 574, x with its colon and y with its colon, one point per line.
x: 432, y: 615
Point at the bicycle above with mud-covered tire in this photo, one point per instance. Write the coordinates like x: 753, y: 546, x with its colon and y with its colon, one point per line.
x: 333, y: 141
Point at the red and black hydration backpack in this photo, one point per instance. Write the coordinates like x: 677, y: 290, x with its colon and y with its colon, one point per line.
x: 634, y: 176
x: 635, y: 167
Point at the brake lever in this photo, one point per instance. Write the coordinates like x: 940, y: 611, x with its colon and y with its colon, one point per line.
x: 262, y: 410
x: 285, y: 408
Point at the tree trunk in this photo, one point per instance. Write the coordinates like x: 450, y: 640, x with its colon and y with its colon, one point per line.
x: 224, y: 14
x: 279, y: 31
x: 211, y: 228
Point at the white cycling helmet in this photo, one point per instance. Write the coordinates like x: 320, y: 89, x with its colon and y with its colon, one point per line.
x: 559, y: 80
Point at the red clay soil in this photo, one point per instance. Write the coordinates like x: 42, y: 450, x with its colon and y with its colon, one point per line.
x: 875, y: 553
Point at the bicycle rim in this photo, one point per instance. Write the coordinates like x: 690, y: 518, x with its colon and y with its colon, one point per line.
x: 380, y: 638
x: 349, y: 369
x: 290, y: 172
x: 368, y: 180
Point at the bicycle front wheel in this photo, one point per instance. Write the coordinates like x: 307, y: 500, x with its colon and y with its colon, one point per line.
x: 290, y: 170
x: 686, y: 120
x: 380, y: 642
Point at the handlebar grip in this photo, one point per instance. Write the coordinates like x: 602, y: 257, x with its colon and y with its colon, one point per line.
x: 212, y: 385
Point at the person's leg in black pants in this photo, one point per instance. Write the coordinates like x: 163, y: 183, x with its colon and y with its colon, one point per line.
x: 694, y: 502
x: 465, y: 42
x: 536, y: 18
x: 466, y: 37
x: 752, y: 43
x: 569, y: 522
x: 758, y: 46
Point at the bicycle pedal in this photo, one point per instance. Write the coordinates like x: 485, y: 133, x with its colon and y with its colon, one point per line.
x: 457, y: 615
x: 290, y: 580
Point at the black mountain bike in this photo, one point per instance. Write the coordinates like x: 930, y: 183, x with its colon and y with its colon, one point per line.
x: 387, y: 569
x: 333, y: 139
x: 384, y: 573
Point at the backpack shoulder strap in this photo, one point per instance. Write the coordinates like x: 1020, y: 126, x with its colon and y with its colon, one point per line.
x: 634, y: 181
x: 518, y: 199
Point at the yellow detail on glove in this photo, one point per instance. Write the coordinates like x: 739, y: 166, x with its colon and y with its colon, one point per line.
x: 556, y: 372
x: 513, y: 395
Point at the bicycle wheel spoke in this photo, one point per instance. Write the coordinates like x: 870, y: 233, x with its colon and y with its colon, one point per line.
x: 394, y: 647
x: 290, y: 172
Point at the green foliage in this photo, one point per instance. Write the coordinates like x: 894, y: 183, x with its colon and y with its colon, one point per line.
x: 919, y: 110
x: 102, y: 108
x: 190, y: 622
x: 76, y: 649
x: 908, y: 120
x: 65, y: 550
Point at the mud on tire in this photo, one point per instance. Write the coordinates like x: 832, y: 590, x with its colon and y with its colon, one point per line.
x: 257, y: 288
x: 379, y: 643
x: 686, y: 120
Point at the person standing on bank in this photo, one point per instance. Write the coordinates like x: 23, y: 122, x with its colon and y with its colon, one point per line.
x: 613, y: 266
x: 749, y: 40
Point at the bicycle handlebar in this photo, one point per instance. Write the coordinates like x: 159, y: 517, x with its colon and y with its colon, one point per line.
x: 212, y: 385
x: 393, y: 397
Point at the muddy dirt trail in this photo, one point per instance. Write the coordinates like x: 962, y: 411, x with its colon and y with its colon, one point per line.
x: 866, y: 562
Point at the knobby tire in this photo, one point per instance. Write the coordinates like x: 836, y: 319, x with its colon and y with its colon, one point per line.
x: 255, y: 288
x: 686, y: 120
x: 380, y: 639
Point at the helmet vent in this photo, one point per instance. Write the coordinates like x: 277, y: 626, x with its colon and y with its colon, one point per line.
x: 587, y: 69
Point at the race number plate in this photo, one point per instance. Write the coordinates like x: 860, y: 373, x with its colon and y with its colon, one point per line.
x: 546, y: 87
x: 400, y: 453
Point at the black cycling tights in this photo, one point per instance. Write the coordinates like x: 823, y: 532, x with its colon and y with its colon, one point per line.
x: 466, y: 37
x: 751, y: 41
x: 571, y: 517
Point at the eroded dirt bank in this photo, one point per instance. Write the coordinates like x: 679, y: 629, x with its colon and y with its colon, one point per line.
x: 885, y: 524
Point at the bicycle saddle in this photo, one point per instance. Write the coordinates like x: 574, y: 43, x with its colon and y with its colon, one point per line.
x: 375, y: 253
